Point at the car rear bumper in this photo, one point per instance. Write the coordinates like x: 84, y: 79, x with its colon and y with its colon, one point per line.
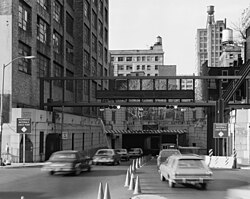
x: 192, y: 180
x: 103, y: 161
x: 59, y: 169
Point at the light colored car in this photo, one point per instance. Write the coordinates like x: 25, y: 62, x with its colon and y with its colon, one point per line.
x: 135, y: 152
x: 164, y: 154
x: 185, y: 169
x: 67, y: 161
x: 106, y: 156
x: 124, y: 154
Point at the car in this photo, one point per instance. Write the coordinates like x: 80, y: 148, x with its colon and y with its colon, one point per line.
x: 67, y: 161
x: 135, y: 153
x: 164, y: 154
x: 106, y: 156
x: 185, y: 169
x: 124, y: 154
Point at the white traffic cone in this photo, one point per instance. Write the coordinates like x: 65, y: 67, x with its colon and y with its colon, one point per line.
x: 106, y: 192
x: 133, y: 166
x: 100, y: 192
x: 130, y: 169
x: 127, y: 179
x: 22, y: 197
x: 132, y: 182
x: 137, y: 186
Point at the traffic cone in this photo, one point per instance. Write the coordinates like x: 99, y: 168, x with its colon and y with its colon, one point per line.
x: 136, y: 164
x: 127, y: 179
x: 22, y: 197
x: 133, y: 166
x: 106, y: 192
x: 100, y: 192
x: 140, y: 162
x: 132, y: 182
x: 137, y: 186
x: 130, y: 169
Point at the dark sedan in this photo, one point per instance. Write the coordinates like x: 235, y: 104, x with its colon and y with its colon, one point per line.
x: 67, y: 162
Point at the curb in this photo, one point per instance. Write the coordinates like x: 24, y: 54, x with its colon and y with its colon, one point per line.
x: 21, y: 166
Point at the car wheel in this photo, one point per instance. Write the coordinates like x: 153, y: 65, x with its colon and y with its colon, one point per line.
x: 171, y: 184
x: 204, y: 186
x: 51, y: 173
x: 77, y: 171
x: 162, y: 178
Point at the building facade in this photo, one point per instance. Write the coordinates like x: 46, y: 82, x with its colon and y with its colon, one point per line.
x: 69, y: 39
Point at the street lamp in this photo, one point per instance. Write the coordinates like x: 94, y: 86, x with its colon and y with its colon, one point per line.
x: 2, y: 92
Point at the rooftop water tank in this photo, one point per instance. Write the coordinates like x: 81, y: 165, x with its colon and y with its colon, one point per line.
x: 227, y: 36
x: 210, y: 10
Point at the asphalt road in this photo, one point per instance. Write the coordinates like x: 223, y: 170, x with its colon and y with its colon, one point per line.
x: 34, y: 184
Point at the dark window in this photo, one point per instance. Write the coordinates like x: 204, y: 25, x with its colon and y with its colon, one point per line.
x: 94, y: 19
x: 106, y: 16
x: 120, y: 58
x: 106, y: 35
x: 69, y: 52
x: 41, y: 142
x: 94, y: 43
x: 94, y: 66
x: 99, y: 70
x: 86, y: 87
x: 43, y: 66
x: 73, y: 141
x: 69, y: 83
x: 100, y: 50
x: 24, y: 65
x: 113, y: 116
x: 86, y: 63
x: 69, y: 24
x: 83, y: 141
x: 93, y: 90
x: 58, y: 72
x: 24, y: 17
x: 86, y: 35
x: 100, y: 7
x: 100, y: 28
x: 106, y: 55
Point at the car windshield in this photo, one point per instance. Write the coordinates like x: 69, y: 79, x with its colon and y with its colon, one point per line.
x: 168, y: 153
x: 190, y: 163
x: 59, y: 156
x: 104, y: 152
x: 121, y: 150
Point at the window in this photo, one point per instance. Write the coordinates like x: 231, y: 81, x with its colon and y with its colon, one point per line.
x: 143, y: 58
x: 94, y: 20
x: 100, y: 7
x: 106, y: 36
x: 83, y: 141
x: 138, y: 67
x: 143, y: 67
x: 99, y: 70
x: 43, y: 4
x: 57, y: 15
x: 58, y: 72
x: 138, y: 58
x: 86, y: 9
x: 69, y: 52
x: 69, y: 24
x: 100, y: 28
x: 24, y: 17
x: 41, y: 142
x: 156, y: 67
x: 120, y: 67
x: 42, y: 31
x: 129, y: 67
x: 94, y: 2
x: 224, y: 73
x: 106, y: 16
x: 156, y: 58
x: 94, y: 43
x: 69, y: 83
x: 94, y: 66
x: 106, y: 55
x: 86, y: 35
x: 148, y: 67
x: 120, y: 58
x: 24, y: 65
x: 128, y: 58
x: 71, y: 3
x: 114, y: 116
x: 100, y: 50
x: 43, y: 66
x: 86, y: 87
x: 57, y: 43
x: 86, y: 61
x: 93, y: 90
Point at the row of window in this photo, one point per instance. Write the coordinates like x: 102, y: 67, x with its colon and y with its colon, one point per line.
x: 138, y: 58
x: 138, y: 67
x: 137, y: 74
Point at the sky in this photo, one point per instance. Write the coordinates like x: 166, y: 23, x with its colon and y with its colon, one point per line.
x: 135, y: 24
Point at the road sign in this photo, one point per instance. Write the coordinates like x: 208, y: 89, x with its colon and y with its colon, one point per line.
x: 220, y: 130
x: 23, y: 125
x: 65, y: 135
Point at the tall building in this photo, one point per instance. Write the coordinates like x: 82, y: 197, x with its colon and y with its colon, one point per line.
x: 208, y: 41
x: 69, y: 38
x: 138, y: 62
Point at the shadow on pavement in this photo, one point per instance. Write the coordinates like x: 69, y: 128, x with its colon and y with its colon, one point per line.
x: 26, y: 195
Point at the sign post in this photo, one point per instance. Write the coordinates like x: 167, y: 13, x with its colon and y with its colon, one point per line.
x: 220, y: 130
x: 24, y: 127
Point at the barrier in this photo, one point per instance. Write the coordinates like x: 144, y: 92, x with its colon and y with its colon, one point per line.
x: 222, y: 162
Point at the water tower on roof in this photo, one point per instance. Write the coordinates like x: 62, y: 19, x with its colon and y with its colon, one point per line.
x: 210, y: 12
x: 227, y: 36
